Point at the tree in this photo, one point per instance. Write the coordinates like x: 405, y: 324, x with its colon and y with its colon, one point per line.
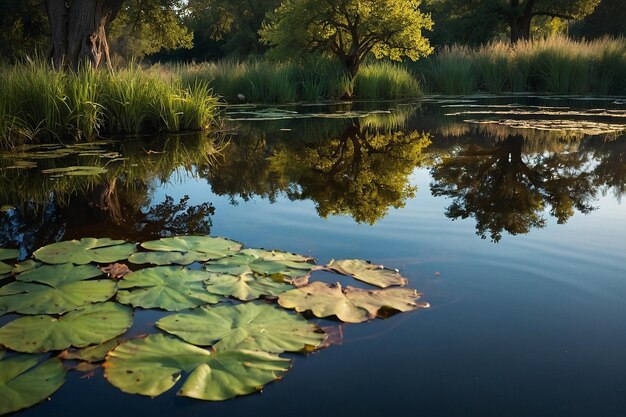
x: 519, y: 13
x: 79, y: 28
x: 349, y: 30
x: 24, y: 28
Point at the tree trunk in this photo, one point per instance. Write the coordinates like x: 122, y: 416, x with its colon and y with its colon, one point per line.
x: 520, y: 28
x: 351, y: 65
x: 78, y: 31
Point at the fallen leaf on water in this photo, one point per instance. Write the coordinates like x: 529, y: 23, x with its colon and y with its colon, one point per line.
x: 116, y: 270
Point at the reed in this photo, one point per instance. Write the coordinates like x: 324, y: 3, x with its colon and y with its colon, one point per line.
x: 38, y: 102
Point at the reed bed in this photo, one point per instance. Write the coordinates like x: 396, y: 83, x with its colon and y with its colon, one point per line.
x: 285, y: 82
x: 37, y: 102
x: 556, y: 65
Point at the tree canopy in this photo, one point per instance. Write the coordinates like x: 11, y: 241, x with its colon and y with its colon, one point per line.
x: 349, y: 30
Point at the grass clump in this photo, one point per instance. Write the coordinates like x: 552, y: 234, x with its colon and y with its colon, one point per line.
x: 555, y: 65
x: 38, y: 102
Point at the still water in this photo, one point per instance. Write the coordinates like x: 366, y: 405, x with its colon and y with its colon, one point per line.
x: 506, y: 214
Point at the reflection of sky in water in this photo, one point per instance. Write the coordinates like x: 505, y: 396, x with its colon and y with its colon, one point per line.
x: 530, y: 326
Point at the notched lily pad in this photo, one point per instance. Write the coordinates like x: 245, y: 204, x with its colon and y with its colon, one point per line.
x: 25, y: 380
x: 5, y: 254
x: 90, y: 354
x: 259, y: 261
x: 55, y: 289
x: 85, y: 250
x: 184, y: 250
x: 152, y: 365
x: 244, y: 326
x: 367, y: 272
x: 245, y: 287
x: 171, y: 288
x: 93, y: 324
x: 352, y: 305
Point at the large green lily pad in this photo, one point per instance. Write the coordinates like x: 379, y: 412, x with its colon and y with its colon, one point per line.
x: 152, y: 365
x: 245, y: 287
x: 367, y: 272
x: 24, y: 381
x: 352, y: 305
x: 184, y: 250
x: 93, y: 324
x: 244, y: 326
x: 170, y: 288
x: 4, y: 255
x: 55, y: 289
x: 84, y: 251
x: 263, y: 262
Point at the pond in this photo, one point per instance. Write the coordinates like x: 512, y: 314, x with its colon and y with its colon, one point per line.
x: 505, y: 213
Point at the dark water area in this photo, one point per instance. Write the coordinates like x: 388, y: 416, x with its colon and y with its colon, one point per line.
x: 506, y: 214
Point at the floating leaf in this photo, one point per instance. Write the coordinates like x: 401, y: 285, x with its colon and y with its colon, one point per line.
x: 184, y: 250
x: 87, y: 326
x: 4, y: 255
x: 55, y: 289
x: 152, y: 365
x: 245, y: 287
x: 263, y: 262
x: 367, y: 272
x: 91, y: 353
x: 24, y: 381
x: 244, y: 326
x: 76, y: 170
x: 352, y: 305
x: 171, y: 288
x: 84, y: 251
x: 27, y: 265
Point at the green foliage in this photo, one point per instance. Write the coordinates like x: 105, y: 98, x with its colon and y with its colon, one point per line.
x: 85, y: 250
x: 152, y: 365
x: 25, y: 380
x: 24, y: 28
x: 245, y: 287
x: 55, y: 289
x: 184, y: 250
x: 168, y: 288
x: 244, y: 326
x: 349, y: 30
x: 89, y: 325
x: 38, y: 102
x: 552, y: 65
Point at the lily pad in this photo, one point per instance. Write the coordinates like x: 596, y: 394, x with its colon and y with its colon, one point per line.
x: 90, y: 354
x: 152, y: 365
x: 76, y: 170
x: 367, y: 272
x: 170, y: 288
x: 244, y: 326
x: 24, y: 381
x: 90, y: 325
x: 245, y: 287
x: 263, y: 262
x: 352, y: 305
x: 55, y: 289
x: 184, y: 250
x: 4, y: 255
x: 84, y: 251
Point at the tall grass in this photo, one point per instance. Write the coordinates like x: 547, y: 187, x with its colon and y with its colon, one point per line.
x: 284, y: 82
x: 555, y: 65
x: 38, y: 102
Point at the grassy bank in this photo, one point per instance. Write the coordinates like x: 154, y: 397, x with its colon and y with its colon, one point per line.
x: 37, y: 102
x: 319, y: 79
x: 555, y: 65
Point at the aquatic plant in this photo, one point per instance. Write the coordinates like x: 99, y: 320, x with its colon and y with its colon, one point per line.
x: 78, y: 315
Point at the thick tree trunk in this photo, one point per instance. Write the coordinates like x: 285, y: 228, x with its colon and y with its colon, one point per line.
x: 352, y: 65
x: 78, y: 31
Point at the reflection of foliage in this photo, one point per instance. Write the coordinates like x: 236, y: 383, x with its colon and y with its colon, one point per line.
x: 504, y: 190
x: 169, y: 219
x: 361, y: 172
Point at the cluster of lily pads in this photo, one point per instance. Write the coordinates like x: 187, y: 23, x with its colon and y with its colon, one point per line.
x: 226, y: 335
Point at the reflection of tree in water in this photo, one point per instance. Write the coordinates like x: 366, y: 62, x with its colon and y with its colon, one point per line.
x: 360, y: 172
x: 116, y: 204
x: 505, y: 190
